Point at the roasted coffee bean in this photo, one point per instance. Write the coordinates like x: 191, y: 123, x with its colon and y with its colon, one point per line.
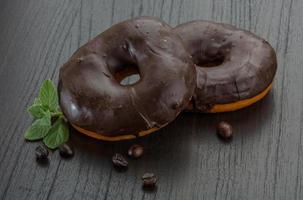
x: 119, y: 161
x: 135, y: 151
x: 149, y: 180
x: 66, y: 151
x: 41, y: 153
x: 225, y: 130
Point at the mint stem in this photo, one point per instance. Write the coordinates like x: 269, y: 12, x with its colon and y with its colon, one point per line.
x: 57, y: 114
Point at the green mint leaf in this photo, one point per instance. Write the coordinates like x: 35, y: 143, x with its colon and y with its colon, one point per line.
x: 57, y: 135
x: 39, y: 128
x: 37, y: 111
x: 48, y: 95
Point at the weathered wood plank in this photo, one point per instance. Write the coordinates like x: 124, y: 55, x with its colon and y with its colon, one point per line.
x: 262, y: 162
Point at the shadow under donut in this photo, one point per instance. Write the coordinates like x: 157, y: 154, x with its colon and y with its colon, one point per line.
x: 169, y: 151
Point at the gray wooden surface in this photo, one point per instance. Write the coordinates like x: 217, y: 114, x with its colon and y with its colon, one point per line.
x: 264, y: 161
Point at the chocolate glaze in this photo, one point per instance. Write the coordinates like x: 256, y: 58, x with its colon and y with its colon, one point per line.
x: 92, y: 98
x: 231, y: 64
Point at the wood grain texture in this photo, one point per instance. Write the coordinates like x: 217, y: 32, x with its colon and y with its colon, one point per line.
x: 264, y: 161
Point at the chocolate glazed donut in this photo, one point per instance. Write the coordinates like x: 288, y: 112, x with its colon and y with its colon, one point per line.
x: 235, y: 68
x: 96, y: 104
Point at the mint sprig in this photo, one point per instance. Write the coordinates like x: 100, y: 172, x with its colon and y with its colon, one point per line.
x: 44, y: 108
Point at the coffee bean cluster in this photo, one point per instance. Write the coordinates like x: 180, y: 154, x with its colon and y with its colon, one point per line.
x: 42, y: 153
x: 149, y: 180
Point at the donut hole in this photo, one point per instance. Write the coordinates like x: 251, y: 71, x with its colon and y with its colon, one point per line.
x: 128, y: 75
x: 209, y: 62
